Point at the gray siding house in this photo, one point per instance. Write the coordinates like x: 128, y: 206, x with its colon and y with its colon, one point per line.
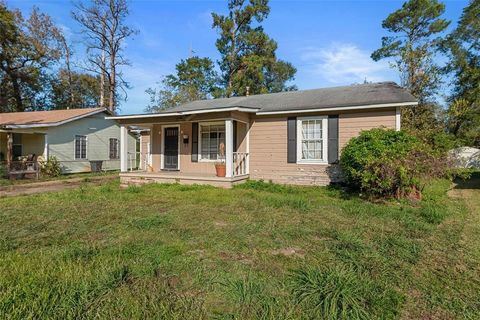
x: 75, y: 137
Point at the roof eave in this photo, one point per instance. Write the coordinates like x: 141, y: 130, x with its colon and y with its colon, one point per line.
x: 184, y: 113
x: 359, y: 107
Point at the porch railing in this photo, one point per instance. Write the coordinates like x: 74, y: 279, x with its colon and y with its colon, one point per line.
x: 19, y: 168
x: 240, y: 164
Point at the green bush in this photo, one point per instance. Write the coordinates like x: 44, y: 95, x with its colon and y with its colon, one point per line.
x: 51, y: 167
x: 386, y: 163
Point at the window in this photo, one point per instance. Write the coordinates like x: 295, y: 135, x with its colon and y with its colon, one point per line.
x: 312, y: 139
x: 17, y: 145
x: 211, y: 136
x: 113, y: 148
x: 80, y: 147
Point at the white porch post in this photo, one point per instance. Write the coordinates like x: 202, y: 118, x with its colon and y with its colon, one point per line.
x: 398, y: 116
x: 45, y: 147
x: 123, y: 149
x: 229, y: 147
x: 247, y: 167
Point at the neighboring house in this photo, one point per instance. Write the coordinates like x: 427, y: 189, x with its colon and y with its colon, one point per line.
x: 466, y: 157
x: 75, y: 137
x: 289, y: 137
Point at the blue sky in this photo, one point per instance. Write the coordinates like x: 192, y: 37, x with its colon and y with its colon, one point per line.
x: 329, y: 42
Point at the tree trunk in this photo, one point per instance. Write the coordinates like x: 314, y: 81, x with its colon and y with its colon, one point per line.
x: 103, y: 66
x: 102, y: 80
x: 113, y: 83
x: 17, y: 95
x: 70, y: 82
x: 232, y: 59
x: 69, y: 71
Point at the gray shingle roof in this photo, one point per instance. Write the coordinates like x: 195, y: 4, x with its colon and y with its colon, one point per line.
x: 346, y: 96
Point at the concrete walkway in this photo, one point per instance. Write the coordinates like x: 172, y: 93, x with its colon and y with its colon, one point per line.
x: 52, y: 186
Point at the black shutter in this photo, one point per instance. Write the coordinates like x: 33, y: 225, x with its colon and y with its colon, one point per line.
x: 333, y: 139
x: 194, y: 141
x: 292, y: 140
x: 234, y: 136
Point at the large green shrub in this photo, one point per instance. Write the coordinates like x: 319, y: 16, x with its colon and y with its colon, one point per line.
x: 384, y: 163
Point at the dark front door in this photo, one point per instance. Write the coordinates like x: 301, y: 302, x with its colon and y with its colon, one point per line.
x: 170, y: 152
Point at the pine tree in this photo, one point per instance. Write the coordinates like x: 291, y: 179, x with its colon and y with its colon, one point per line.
x: 248, y: 57
x: 415, y: 37
x: 195, y: 79
x: 463, y: 49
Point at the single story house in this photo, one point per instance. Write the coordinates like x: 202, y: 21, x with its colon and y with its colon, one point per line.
x: 74, y: 136
x: 288, y: 137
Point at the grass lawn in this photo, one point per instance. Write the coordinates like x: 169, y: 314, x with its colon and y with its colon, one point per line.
x: 258, y: 251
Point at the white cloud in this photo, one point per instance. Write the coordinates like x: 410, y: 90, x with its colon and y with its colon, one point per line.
x: 344, y: 63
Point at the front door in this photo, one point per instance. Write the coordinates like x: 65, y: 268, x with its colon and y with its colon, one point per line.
x: 170, y: 152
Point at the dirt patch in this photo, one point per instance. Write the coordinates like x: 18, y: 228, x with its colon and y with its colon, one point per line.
x: 235, y: 257
x: 289, y: 252
x: 220, y: 224
x: 51, y: 186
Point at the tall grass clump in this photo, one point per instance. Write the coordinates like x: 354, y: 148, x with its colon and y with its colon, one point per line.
x: 331, y: 293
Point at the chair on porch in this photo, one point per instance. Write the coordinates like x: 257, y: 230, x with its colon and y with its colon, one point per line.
x: 23, y: 167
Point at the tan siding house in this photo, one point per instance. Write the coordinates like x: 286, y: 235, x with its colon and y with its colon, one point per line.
x: 289, y: 137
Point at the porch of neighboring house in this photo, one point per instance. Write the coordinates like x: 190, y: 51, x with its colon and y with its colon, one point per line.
x: 20, y: 152
x: 185, y: 149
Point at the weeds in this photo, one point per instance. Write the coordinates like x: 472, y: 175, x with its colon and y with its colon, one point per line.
x: 159, y: 251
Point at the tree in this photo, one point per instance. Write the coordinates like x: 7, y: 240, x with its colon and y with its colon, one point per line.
x: 248, y: 53
x: 415, y: 30
x: 72, y: 89
x: 105, y: 28
x: 195, y: 79
x: 27, y: 49
x: 462, y: 47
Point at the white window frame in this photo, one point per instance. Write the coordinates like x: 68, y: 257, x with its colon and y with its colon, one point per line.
x: 324, y: 159
x: 118, y: 148
x: 74, y: 147
x: 213, y: 123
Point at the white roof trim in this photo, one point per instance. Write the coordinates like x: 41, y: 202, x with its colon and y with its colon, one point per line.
x: 150, y: 115
x: 183, y: 113
x: 370, y: 106
x: 256, y: 111
x: 51, y: 124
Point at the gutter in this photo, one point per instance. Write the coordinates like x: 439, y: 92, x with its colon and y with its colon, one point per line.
x: 370, y: 106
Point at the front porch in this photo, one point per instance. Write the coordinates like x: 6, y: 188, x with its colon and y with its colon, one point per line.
x: 20, y: 151
x: 143, y: 177
x: 186, y: 149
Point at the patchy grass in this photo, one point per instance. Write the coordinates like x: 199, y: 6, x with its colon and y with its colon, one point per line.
x: 86, y: 176
x: 258, y: 251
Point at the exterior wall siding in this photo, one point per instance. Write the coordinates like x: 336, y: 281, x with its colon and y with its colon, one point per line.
x: 350, y: 124
x: 144, y: 141
x: 268, y: 148
x: 98, y: 130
